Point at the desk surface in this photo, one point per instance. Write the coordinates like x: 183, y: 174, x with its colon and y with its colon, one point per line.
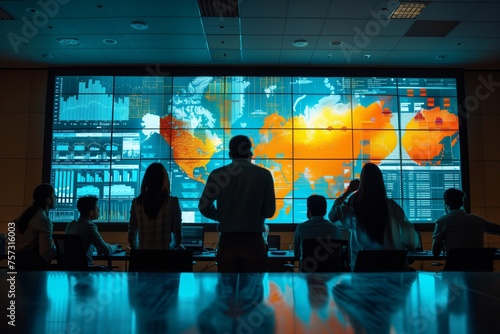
x: 205, y: 256
x: 120, y: 302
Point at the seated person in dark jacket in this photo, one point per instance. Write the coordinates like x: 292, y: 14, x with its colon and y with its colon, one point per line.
x: 87, y: 229
x: 457, y: 228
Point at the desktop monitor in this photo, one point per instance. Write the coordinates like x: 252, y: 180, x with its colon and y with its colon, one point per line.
x: 193, y: 236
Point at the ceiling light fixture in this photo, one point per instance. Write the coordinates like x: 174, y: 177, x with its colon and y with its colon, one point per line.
x: 408, y: 10
x: 109, y: 41
x: 139, y: 25
x: 336, y: 43
x: 69, y: 41
x: 300, y: 43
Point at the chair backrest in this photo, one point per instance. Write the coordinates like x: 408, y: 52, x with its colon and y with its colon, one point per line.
x: 324, y: 255
x: 470, y: 259
x: 70, y: 252
x: 273, y: 241
x: 381, y: 261
x: 165, y: 261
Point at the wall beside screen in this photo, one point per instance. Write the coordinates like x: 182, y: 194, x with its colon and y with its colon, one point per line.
x: 313, y: 130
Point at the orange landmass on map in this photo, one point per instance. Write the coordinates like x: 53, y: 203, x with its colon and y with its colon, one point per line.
x: 322, y: 144
x: 189, y: 152
x: 425, y: 132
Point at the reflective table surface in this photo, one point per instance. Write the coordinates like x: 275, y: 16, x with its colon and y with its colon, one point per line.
x: 121, y: 302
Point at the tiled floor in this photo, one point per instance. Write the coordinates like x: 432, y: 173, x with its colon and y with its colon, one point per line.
x: 120, y: 302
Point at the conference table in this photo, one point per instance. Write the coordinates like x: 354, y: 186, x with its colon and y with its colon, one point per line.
x: 126, y: 302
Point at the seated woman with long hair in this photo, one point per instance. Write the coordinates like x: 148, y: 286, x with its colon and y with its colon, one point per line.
x: 155, y: 215
x: 34, y: 246
x: 375, y: 221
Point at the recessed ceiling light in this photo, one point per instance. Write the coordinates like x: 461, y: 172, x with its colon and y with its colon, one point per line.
x: 109, y: 41
x: 408, y: 10
x: 300, y: 43
x: 336, y: 43
x: 367, y: 56
x: 139, y: 25
x: 69, y: 41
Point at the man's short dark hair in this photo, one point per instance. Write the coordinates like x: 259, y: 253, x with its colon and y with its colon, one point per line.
x: 316, y: 204
x: 86, y: 203
x: 240, y: 146
x: 454, y: 198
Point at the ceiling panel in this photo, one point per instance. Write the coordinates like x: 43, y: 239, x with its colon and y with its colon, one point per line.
x: 261, y: 26
x: 263, y: 8
x: 441, y: 11
x: 303, y: 26
x: 358, y: 9
x: 342, y: 26
x: 485, y: 12
x: 308, y: 9
x: 260, y: 42
x: 260, y: 56
x: 418, y: 43
x: 296, y: 56
x: 473, y: 29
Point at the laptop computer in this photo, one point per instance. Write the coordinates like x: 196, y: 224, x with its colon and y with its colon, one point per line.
x: 193, y: 237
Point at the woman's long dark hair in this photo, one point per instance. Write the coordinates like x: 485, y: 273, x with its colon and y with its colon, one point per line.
x: 155, y: 189
x: 40, y: 195
x: 370, y: 204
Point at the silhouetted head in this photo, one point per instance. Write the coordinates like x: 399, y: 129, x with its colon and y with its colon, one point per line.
x: 156, y: 179
x: 316, y: 205
x: 454, y: 198
x: 44, y: 195
x: 240, y: 147
x: 87, y: 206
x: 372, y: 181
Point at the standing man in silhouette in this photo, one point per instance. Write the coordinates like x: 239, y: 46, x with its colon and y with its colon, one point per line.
x: 245, y: 198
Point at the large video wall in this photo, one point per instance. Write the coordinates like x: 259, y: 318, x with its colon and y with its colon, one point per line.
x: 313, y: 133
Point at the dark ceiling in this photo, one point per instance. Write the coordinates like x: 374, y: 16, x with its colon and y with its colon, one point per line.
x: 341, y: 33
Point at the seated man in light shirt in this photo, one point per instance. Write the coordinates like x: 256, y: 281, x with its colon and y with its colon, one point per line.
x: 87, y: 229
x: 457, y: 228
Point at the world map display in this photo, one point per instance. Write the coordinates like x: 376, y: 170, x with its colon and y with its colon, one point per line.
x: 314, y: 134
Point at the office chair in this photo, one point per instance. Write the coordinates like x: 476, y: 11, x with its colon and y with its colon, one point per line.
x: 324, y: 255
x: 70, y: 252
x: 470, y: 259
x: 161, y: 261
x: 381, y: 261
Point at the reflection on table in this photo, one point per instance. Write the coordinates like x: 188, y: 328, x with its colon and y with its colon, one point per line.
x: 121, y: 302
